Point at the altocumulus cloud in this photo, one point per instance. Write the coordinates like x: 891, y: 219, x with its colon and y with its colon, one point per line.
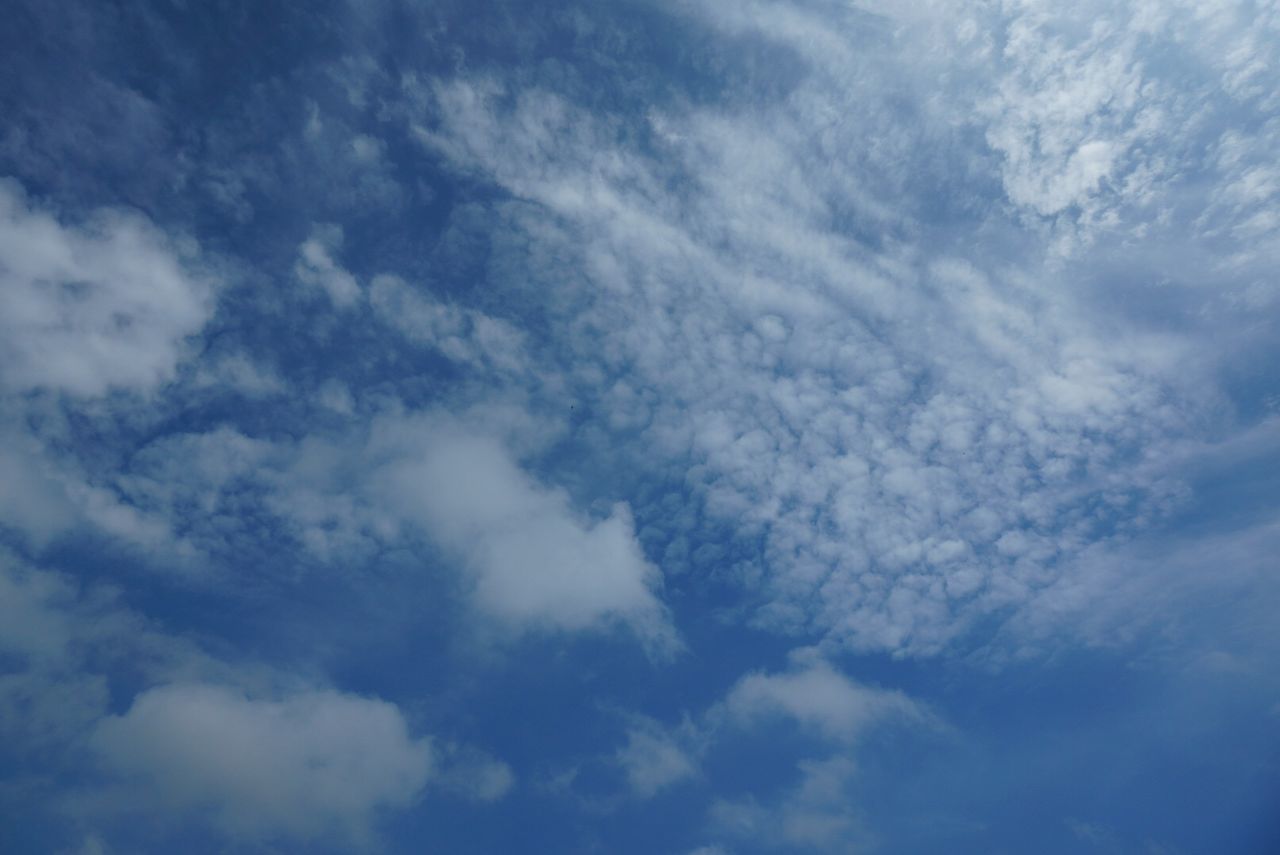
x: 674, y: 399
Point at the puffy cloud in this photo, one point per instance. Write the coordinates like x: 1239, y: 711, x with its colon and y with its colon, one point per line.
x: 308, y: 764
x: 242, y: 744
x: 914, y: 433
x: 88, y: 308
x: 528, y: 558
x: 534, y: 562
x: 815, y: 695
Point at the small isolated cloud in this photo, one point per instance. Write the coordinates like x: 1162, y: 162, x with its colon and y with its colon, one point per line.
x: 306, y: 765
x: 89, y: 308
x: 471, y: 774
x: 653, y: 760
x: 317, y: 267
x: 815, y: 695
x: 816, y: 810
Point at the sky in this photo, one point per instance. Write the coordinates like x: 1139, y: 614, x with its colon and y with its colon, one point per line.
x: 678, y: 427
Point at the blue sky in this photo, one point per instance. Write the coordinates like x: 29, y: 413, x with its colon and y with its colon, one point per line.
x: 675, y: 427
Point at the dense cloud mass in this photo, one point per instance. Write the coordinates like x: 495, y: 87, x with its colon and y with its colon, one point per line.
x: 656, y: 426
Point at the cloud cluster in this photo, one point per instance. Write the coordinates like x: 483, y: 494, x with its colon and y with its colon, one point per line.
x: 816, y: 810
x: 530, y: 559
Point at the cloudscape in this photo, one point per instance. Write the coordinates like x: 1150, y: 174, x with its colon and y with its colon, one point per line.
x: 670, y: 427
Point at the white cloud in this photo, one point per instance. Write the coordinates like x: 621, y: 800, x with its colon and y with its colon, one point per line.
x: 308, y: 764
x: 471, y: 774
x: 317, y: 267
x: 653, y: 759
x: 528, y: 558
x: 816, y: 696
x: 920, y: 430
x: 880, y: 418
x: 88, y: 308
x: 534, y: 562
x: 1065, y: 111
x: 817, y: 810
x: 1114, y: 596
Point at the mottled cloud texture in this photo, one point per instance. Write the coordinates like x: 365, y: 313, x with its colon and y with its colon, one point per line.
x: 679, y: 426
